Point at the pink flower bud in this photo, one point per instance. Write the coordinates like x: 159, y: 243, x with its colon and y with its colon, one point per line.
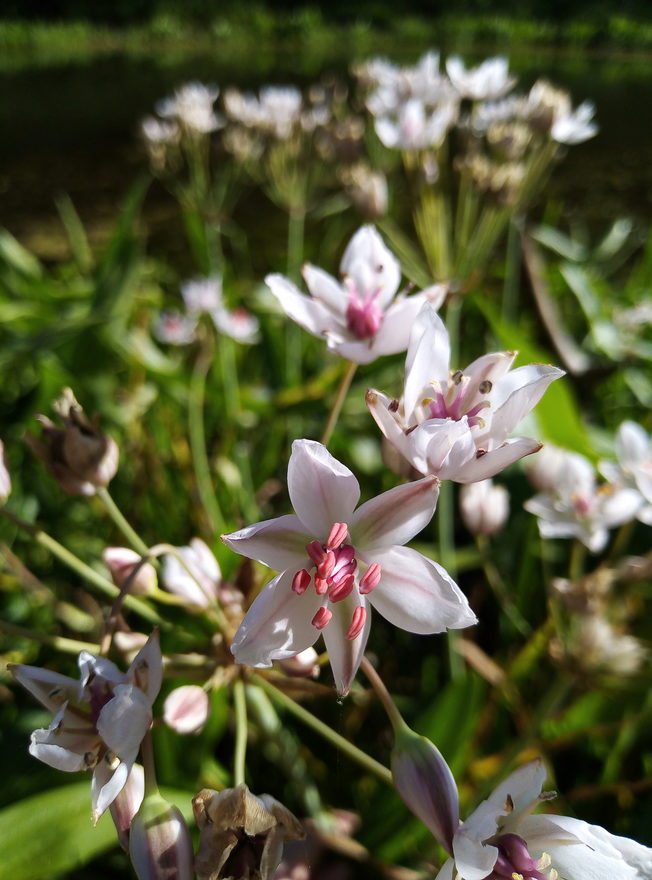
x: 186, y: 709
x: 424, y: 781
x: 126, y: 805
x: 121, y: 561
x: 484, y: 507
x: 160, y: 846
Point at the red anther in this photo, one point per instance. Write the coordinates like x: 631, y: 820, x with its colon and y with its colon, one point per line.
x: 316, y: 552
x: 370, y: 579
x: 301, y: 582
x: 337, y: 535
x: 357, y: 623
x: 321, y: 585
x: 342, y: 588
x: 325, y: 568
x: 322, y: 617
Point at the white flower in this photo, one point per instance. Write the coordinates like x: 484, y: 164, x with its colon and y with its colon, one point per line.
x: 192, y: 107
x: 121, y: 562
x: 362, y: 317
x: 99, y: 721
x: 416, y: 129
x: 484, y: 507
x: 550, y: 108
x: 576, y: 126
x: 157, y: 133
x: 487, y: 81
x: 276, y: 111
x: 201, y: 588
x: 456, y: 425
x: 174, y: 328
x: 336, y: 561
x: 202, y: 295
x: 238, y: 324
x: 576, y: 508
x: 634, y: 467
x: 502, y: 839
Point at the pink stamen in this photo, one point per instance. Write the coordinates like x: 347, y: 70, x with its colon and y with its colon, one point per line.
x: 326, y: 566
x: 322, y: 617
x: 316, y: 552
x: 321, y: 585
x: 357, y: 623
x: 370, y: 579
x: 336, y: 536
x: 301, y: 582
x: 342, y: 588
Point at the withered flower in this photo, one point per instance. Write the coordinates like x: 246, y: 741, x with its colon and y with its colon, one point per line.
x: 78, y: 455
x: 241, y: 834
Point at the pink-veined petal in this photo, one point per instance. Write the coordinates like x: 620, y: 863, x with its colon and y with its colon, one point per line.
x: 380, y: 407
x: 107, y: 785
x: 307, y: 312
x: 62, y: 748
x: 278, y: 624
x: 396, y: 516
x: 484, y: 466
x: 358, y: 351
x: 278, y: 543
x: 345, y: 654
x: 416, y: 594
x: 146, y: 670
x: 523, y: 786
x: 445, y: 446
x: 489, y: 367
x: 474, y: 860
x: 428, y: 356
x: 394, y: 333
x: 324, y: 288
x: 371, y: 265
x: 50, y: 688
x: 91, y: 666
x: 322, y: 490
x: 516, y: 394
x: 124, y: 721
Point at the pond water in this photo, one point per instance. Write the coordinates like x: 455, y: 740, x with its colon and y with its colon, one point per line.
x: 71, y: 127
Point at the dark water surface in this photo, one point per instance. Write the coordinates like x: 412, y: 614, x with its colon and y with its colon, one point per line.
x: 72, y: 128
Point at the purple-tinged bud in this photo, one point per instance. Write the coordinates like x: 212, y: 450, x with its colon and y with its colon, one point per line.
x: 160, y: 846
x: 424, y: 781
x: 186, y: 709
x: 121, y: 561
x: 128, y: 802
x: 79, y: 457
x: 484, y: 507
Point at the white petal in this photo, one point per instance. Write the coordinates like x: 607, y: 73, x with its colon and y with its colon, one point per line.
x: 619, y: 507
x: 146, y: 670
x: 96, y: 667
x: 50, y: 688
x: 447, y: 447
x: 398, y: 321
x: 578, y: 862
x: 322, y: 490
x: 345, y: 654
x: 428, y: 356
x: 324, y: 287
x: 278, y: 624
x: 60, y: 750
x: 632, y: 444
x: 473, y: 859
x: 396, y: 516
x: 389, y: 423
x: 371, y: 265
x: 107, y: 785
x: 516, y: 394
x: 416, y: 594
x: 307, y: 312
x: 523, y: 786
x: 124, y: 721
x: 491, y: 367
x: 278, y: 543
x: 490, y: 464
x: 447, y: 872
x: 358, y: 351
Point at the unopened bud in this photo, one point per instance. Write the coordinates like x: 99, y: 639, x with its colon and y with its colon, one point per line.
x: 5, y: 479
x: 160, y: 846
x: 484, y: 507
x: 186, y: 709
x: 424, y: 781
x: 78, y: 455
x: 126, y: 805
x: 121, y: 562
x: 303, y: 665
x: 241, y: 835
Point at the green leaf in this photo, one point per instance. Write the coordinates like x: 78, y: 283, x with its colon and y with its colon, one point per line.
x: 17, y: 257
x: 561, y: 244
x: 76, y: 233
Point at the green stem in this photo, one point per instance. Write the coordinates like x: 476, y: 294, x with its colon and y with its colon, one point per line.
x: 512, y: 270
x: 383, y: 695
x: 147, y: 757
x: 621, y: 540
x: 446, y: 537
x: 59, y: 643
x: 240, y: 753
x: 578, y: 555
x: 120, y: 521
x: 338, y: 403
x: 324, y: 730
x: 198, y: 437
x: 499, y: 587
x: 85, y: 571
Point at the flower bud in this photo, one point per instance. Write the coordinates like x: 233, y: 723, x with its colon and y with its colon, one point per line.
x: 241, y: 835
x: 160, y: 846
x: 121, y: 561
x: 5, y: 479
x: 303, y: 665
x: 78, y: 455
x: 424, y: 781
x: 186, y: 709
x: 126, y: 805
x: 484, y: 507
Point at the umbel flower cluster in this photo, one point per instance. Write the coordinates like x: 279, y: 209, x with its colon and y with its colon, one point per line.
x: 229, y: 648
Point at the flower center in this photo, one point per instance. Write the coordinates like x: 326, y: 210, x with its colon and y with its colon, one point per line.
x: 514, y: 862
x: 363, y: 314
x: 335, y: 566
x: 456, y: 398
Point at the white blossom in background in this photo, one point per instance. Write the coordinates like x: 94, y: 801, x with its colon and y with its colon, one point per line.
x: 173, y: 328
x: 337, y: 562
x: 99, y: 720
x: 484, y: 507
x: 457, y: 424
x: 634, y: 466
x: 202, y: 295
x: 157, y: 132
x: 576, y: 507
x: 238, y: 324
x: 277, y: 110
x: 200, y: 585
x: 186, y: 709
x: 121, y: 562
x: 595, y: 645
x: 192, y: 107
x: 551, y: 109
x: 576, y: 126
x: 503, y: 839
x: 415, y: 127
x: 361, y: 317
x: 488, y: 81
